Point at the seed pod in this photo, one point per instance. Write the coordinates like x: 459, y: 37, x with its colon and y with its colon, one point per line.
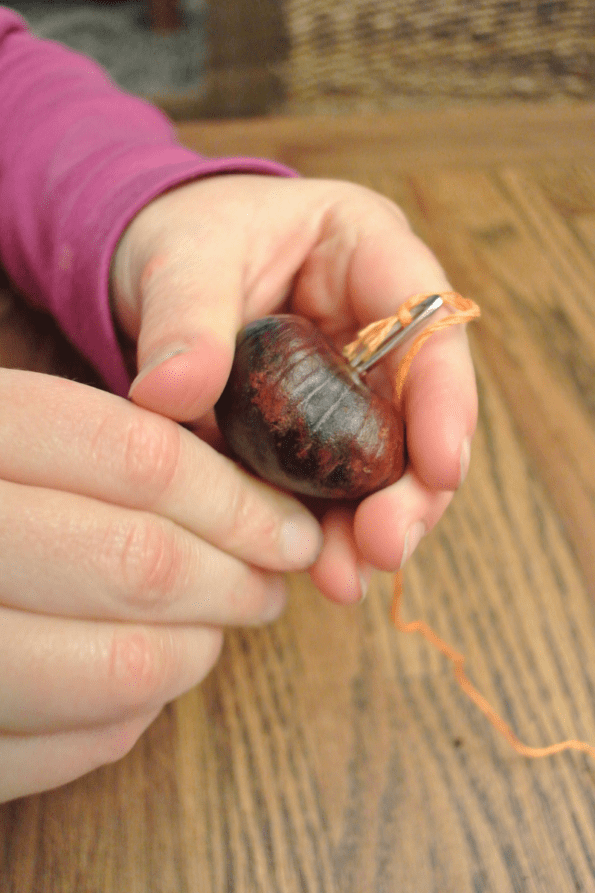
x: 297, y: 413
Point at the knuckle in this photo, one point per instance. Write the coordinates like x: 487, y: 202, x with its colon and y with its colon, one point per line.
x: 141, y: 665
x: 151, y: 453
x: 238, y: 512
x: 245, y: 520
x: 149, y: 667
x: 153, y: 563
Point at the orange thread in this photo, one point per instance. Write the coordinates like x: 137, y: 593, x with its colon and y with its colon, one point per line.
x: 465, y: 310
x: 458, y: 661
x: 368, y: 340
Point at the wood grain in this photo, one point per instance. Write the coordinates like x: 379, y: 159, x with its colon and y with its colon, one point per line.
x: 371, y: 146
x: 328, y: 753
x: 529, y: 259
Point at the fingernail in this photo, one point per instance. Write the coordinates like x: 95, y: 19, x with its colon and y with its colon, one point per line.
x: 465, y: 459
x: 156, y: 359
x: 364, y: 572
x: 412, y: 538
x: 301, y: 541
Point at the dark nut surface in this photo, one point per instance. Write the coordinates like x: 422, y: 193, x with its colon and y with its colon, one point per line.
x: 296, y: 414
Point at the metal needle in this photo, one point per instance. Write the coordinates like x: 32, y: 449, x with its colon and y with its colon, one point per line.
x: 398, y: 333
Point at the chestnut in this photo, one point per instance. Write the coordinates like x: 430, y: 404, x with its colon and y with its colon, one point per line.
x: 299, y: 415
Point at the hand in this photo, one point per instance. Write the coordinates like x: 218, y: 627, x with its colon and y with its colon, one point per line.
x: 126, y: 544
x: 199, y: 262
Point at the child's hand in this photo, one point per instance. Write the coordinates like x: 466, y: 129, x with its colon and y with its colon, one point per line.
x: 126, y: 543
x: 199, y: 262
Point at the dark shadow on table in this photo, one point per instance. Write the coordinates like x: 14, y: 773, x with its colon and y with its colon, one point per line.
x: 30, y: 339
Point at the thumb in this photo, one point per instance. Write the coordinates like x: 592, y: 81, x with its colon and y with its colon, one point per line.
x: 189, y: 321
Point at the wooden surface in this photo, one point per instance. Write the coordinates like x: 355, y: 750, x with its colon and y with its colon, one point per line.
x: 329, y: 753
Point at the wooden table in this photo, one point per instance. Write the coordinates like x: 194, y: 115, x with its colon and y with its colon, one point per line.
x: 329, y: 753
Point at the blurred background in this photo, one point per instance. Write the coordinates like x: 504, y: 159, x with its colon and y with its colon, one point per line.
x: 238, y: 58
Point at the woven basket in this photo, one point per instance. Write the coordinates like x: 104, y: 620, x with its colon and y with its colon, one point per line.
x: 356, y: 54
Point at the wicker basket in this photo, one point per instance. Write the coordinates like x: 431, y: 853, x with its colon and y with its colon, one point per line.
x: 355, y: 54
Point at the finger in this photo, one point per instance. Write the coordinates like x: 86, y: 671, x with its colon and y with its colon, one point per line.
x: 70, y: 674
x: 389, y: 524
x: 72, y: 556
x: 104, y: 447
x: 366, y: 263
x: 35, y: 763
x: 339, y: 572
x: 439, y: 405
x: 224, y: 250
x: 180, y: 282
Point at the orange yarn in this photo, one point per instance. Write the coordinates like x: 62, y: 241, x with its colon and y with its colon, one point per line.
x: 369, y: 338
x: 458, y: 660
x: 465, y: 310
x: 372, y: 336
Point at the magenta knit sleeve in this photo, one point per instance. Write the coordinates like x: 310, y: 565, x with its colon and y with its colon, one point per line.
x: 78, y: 159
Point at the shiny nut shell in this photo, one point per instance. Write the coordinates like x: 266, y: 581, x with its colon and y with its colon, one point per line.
x: 295, y: 413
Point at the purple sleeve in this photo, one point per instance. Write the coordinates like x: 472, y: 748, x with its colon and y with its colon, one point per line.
x: 78, y: 159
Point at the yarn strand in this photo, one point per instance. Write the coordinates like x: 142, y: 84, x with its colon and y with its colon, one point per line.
x: 368, y: 339
x: 458, y: 660
x: 365, y: 343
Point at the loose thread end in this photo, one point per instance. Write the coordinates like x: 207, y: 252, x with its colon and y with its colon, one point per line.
x: 464, y: 311
x: 471, y: 692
